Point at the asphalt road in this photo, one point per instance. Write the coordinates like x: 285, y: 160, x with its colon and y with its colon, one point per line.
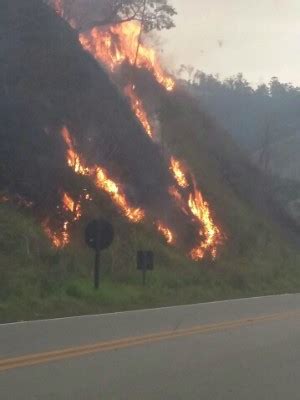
x: 239, y: 349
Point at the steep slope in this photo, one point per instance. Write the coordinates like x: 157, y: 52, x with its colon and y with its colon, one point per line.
x: 51, y: 83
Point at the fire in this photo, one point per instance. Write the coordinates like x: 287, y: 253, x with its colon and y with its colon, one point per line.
x: 109, y: 186
x: 119, y: 43
x: 68, y: 202
x: 61, y: 238
x: 138, y: 109
x: 177, y: 169
x: 101, y: 180
x: 58, y: 239
x: 73, y: 158
x: 166, y: 232
x: 212, y: 234
x: 113, y: 46
x: 70, y: 205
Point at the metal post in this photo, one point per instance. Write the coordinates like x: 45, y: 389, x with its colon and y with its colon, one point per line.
x: 97, y: 270
x: 144, y: 276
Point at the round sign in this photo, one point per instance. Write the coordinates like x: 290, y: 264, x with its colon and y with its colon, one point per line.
x: 99, y: 234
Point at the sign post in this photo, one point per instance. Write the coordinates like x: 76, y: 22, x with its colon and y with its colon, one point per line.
x: 99, y: 235
x: 97, y: 270
x: 145, y: 262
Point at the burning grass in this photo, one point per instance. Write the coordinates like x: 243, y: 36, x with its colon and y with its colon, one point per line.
x: 138, y: 109
x: 113, y: 46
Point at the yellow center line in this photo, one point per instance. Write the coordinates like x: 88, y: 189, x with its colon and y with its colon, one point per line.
x: 43, y: 358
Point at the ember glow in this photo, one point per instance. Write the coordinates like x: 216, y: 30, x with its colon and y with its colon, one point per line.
x: 138, y: 109
x: 166, y: 232
x: 120, y: 43
x: 101, y: 180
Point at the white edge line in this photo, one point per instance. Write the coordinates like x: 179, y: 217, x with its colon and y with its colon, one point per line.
x: 142, y: 310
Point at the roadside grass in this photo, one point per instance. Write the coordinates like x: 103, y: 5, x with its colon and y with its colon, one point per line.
x: 38, y: 282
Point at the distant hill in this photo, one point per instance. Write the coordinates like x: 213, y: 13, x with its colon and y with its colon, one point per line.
x: 264, y: 121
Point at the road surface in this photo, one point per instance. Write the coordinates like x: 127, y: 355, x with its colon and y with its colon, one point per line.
x: 237, y: 349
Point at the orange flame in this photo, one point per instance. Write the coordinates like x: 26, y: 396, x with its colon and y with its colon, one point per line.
x: 212, y: 234
x: 101, y: 180
x: 166, y: 232
x: 62, y: 238
x: 119, y: 43
x: 113, y: 46
x: 71, y: 206
x: 138, y: 109
x: 58, y: 239
x: 177, y: 169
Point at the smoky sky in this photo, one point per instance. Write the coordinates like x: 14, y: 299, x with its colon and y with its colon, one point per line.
x: 260, y: 39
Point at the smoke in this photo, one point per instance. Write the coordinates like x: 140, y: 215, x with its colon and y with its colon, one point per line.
x: 82, y: 13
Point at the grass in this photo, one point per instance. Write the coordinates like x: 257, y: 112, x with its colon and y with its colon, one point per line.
x: 77, y: 296
x: 37, y: 282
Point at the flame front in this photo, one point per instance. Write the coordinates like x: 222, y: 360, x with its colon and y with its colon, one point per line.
x: 166, y: 232
x: 101, y: 180
x: 212, y: 234
x: 138, y: 109
x: 109, y: 186
x: 121, y: 42
x: 177, y: 169
x: 113, y: 46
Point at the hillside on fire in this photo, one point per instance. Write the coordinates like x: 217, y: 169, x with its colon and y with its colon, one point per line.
x: 92, y: 125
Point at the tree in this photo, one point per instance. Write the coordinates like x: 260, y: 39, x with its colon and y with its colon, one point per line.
x: 262, y: 90
x: 155, y: 14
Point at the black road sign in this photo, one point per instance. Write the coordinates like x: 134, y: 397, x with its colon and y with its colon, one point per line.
x: 99, y: 235
x: 145, y: 262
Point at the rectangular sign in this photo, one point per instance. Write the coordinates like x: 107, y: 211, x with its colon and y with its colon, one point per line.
x: 145, y: 260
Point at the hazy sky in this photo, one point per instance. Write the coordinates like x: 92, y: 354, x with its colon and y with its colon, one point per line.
x: 259, y: 38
